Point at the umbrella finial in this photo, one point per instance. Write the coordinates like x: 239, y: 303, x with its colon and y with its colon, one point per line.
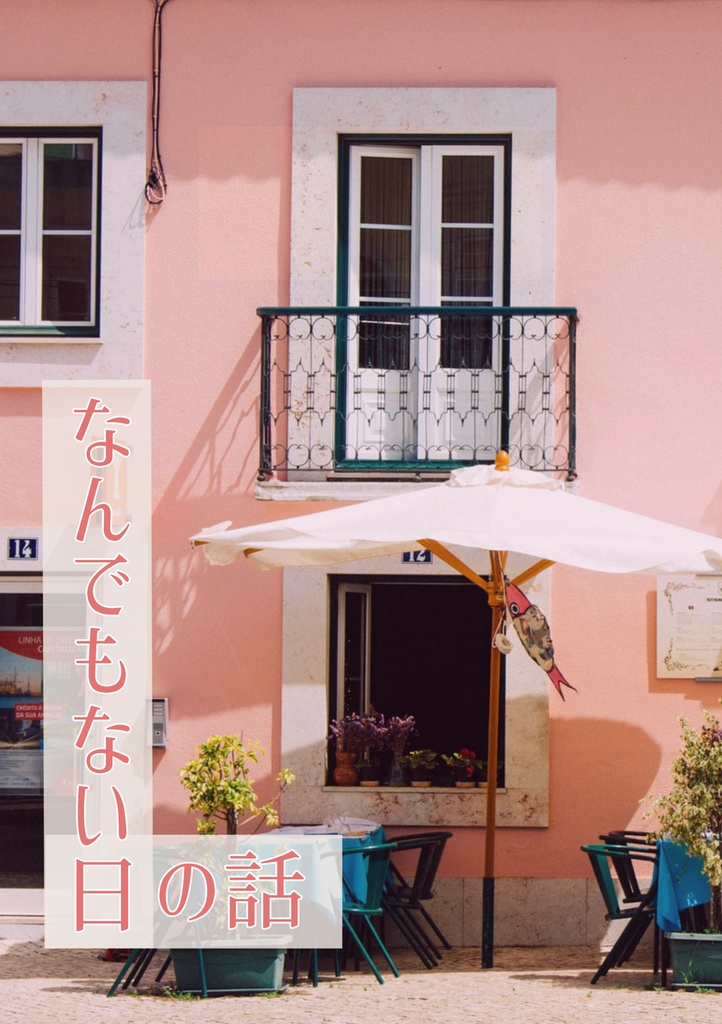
x: 502, y: 461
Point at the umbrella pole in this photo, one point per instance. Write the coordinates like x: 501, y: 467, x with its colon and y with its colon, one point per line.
x: 496, y: 602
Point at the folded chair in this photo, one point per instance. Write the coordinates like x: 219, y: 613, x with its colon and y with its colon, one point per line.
x: 404, y: 901
x: 624, y: 866
x: 605, y: 859
x: 358, y: 911
x: 134, y: 968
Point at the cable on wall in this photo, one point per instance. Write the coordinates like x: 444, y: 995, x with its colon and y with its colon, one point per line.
x: 156, y: 186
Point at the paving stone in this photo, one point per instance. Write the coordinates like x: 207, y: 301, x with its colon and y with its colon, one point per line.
x: 526, y: 986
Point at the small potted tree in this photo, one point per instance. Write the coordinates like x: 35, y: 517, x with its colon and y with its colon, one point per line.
x: 691, y: 815
x: 220, y: 787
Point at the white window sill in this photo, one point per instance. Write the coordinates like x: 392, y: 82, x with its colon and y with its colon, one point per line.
x: 48, y: 339
x: 347, y: 489
x: 434, y: 806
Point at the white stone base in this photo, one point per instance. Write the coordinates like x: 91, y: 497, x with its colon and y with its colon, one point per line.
x: 528, y: 912
x: 14, y: 928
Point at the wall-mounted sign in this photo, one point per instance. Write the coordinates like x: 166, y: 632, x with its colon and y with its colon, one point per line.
x: 22, y: 548
x: 689, y: 627
x: 419, y: 557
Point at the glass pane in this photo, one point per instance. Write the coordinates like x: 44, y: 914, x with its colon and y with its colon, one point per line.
x: 467, y: 262
x: 354, y: 654
x: 11, y: 171
x: 383, y: 343
x: 466, y: 342
x: 385, y: 270
x: 68, y: 186
x: 468, y: 190
x: 385, y: 190
x: 9, y: 277
x: 66, y: 277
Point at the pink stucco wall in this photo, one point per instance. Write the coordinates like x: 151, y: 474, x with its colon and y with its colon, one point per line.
x: 639, y: 247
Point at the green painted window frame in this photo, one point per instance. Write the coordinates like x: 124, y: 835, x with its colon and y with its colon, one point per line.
x: 49, y: 329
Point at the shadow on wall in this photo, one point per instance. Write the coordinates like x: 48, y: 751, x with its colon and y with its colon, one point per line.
x: 600, y: 770
x: 204, y: 630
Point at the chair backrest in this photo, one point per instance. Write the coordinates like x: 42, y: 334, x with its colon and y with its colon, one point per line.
x: 377, y: 858
x: 624, y: 866
x: 431, y: 848
x: 602, y: 857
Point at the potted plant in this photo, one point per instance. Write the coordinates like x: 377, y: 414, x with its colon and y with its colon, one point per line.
x: 691, y: 815
x: 464, y: 764
x: 399, y: 730
x: 421, y: 764
x: 355, y: 735
x: 375, y: 737
x: 220, y: 787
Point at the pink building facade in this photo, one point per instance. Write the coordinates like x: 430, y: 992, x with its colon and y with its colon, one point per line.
x: 318, y: 155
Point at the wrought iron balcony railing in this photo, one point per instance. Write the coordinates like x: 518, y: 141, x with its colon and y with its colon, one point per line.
x: 408, y: 389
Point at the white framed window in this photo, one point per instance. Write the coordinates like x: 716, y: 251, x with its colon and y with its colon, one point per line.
x: 398, y: 641
x: 438, y: 410
x: 321, y: 117
x: 314, y: 672
x: 427, y: 225
x: 49, y: 232
x: 72, y: 231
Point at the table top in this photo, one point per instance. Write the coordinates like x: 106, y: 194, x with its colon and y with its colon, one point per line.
x: 356, y: 833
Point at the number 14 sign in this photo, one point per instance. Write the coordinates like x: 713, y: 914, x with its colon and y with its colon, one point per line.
x: 22, y: 548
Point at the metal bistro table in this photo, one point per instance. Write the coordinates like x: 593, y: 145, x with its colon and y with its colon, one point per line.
x: 356, y: 833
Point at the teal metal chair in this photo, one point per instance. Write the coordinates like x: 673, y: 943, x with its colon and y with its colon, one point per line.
x: 359, y: 911
x: 134, y: 968
x: 606, y: 859
x: 404, y: 900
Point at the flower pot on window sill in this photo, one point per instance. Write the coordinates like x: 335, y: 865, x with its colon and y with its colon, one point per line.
x: 345, y: 773
x: 420, y: 778
x: 465, y: 778
x: 369, y: 775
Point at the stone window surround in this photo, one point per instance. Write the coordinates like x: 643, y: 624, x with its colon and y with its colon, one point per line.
x: 320, y: 115
x: 524, y: 802
x: 120, y: 109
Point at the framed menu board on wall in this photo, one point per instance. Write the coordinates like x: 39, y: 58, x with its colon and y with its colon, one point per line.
x: 689, y: 627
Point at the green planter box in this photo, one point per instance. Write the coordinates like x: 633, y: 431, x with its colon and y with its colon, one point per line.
x: 696, y: 959
x: 229, y: 970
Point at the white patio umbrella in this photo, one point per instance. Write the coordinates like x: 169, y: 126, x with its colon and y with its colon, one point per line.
x: 495, y: 509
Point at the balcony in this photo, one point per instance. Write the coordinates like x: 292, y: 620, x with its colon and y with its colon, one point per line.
x: 400, y: 391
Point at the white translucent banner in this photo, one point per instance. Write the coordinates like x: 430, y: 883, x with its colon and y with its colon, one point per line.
x: 97, y: 662
x: 266, y: 890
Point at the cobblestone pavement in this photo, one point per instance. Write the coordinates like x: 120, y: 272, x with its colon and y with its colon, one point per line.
x: 526, y: 986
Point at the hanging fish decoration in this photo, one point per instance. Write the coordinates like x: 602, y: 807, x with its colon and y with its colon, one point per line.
x: 533, y: 630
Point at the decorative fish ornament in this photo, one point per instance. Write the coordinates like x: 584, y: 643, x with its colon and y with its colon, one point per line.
x: 533, y: 630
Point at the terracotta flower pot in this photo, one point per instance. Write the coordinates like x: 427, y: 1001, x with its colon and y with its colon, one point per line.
x: 345, y: 773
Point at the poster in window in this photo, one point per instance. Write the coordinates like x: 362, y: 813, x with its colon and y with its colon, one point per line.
x: 21, y: 709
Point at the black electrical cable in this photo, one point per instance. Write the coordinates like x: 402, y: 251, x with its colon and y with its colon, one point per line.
x: 156, y: 186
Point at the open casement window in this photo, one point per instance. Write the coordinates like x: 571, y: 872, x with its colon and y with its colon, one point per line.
x: 49, y: 233
x: 427, y: 226
x: 418, y: 647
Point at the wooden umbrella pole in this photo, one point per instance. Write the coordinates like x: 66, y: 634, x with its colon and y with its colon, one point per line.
x: 496, y: 603
x: 494, y: 589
